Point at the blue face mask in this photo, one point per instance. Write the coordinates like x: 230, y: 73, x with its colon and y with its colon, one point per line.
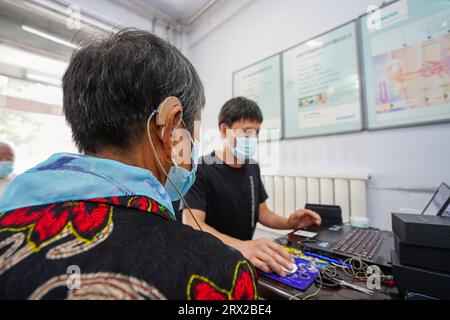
x: 179, y: 180
x: 245, y: 148
x: 6, y: 168
x: 182, y: 178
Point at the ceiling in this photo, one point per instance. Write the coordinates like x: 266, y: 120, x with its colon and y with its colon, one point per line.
x: 23, y: 52
x: 12, y: 20
x: 176, y: 10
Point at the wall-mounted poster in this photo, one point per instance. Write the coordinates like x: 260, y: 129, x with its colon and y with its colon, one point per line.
x: 261, y: 82
x: 321, y: 84
x: 406, y: 47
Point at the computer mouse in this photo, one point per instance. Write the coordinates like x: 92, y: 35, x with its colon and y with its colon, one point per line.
x: 293, y: 270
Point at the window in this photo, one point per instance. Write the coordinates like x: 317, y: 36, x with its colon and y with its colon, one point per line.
x: 31, y: 120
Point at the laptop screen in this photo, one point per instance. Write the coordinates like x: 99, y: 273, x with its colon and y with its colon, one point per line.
x: 446, y: 213
x: 440, y: 199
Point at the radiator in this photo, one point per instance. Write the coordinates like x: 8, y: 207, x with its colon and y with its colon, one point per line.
x: 288, y: 193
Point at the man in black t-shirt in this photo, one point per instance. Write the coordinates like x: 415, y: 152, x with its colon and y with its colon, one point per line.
x: 228, y: 198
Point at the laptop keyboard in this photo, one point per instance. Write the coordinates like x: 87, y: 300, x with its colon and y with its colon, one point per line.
x: 361, y: 243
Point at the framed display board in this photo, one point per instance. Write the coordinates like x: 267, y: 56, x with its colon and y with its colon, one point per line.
x: 261, y: 82
x: 406, y: 50
x: 321, y: 85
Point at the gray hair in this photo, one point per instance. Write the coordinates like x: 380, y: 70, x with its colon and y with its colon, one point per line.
x: 113, y: 84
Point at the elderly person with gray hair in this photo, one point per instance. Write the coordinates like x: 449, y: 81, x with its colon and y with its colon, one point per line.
x: 101, y: 225
x: 7, y: 158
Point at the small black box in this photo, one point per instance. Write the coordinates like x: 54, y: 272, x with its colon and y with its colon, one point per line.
x: 331, y: 215
x: 420, y: 230
x: 420, y: 281
x: 423, y: 257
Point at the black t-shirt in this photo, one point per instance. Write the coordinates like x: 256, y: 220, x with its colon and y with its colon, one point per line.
x: 229, y: 196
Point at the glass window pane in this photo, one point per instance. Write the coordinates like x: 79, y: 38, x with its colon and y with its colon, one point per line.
x: 35, y: 136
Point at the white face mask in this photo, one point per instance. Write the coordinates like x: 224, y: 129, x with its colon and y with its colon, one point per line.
x: 245, y: 148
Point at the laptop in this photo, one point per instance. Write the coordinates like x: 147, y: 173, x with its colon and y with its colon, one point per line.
x: 372, y: 246
x: 439, y: 203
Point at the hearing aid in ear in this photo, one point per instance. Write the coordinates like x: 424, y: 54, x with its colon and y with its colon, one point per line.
x: 161, y: 116
x: 165, y: 107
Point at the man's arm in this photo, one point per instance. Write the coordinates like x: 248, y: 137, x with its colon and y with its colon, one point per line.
x: 298, y: 220
x: 271, y: 220
x: 262, y: 253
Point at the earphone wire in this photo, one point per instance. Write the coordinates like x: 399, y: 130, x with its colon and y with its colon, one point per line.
x: 165, y: 172
x: 330, y: 272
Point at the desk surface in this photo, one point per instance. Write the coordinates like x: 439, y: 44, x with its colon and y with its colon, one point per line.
x: 270, y: 289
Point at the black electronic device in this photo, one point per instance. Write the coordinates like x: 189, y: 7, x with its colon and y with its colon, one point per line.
x: 420, y: 281
x: 423, y: 257
x: 439, y: 203
x: 421, y: 230
x: 373, y: 246
x: 344, y: 241
x: 331, y: 215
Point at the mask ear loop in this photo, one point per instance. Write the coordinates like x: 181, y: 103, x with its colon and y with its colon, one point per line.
x: 192, y: 141
x: 164, y: 170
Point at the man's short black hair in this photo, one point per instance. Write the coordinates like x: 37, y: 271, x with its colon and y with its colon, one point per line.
x: 238, y: 109
x: 112, y: 85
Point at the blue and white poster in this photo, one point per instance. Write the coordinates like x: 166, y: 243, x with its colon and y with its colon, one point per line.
x: 322, y: 92
x: 261, y: 83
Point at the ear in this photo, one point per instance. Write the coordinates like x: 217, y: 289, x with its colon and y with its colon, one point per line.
x: 172, y: 119
x: 223, y: 130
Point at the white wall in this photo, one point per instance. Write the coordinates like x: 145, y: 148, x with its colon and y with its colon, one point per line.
x: 405, y: 164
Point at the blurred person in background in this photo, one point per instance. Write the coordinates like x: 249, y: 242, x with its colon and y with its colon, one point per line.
x: 7, y: 158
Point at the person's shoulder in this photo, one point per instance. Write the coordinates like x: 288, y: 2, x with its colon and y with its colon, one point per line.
x: 207, y: 163
x: 197, y: 245
x: 206, y: 267
x: 254, y: 166
x: 189, y: 237
x: 223, y: 272
x: 202, y: 244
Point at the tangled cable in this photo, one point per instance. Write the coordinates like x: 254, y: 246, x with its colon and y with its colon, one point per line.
x: 353, y: 267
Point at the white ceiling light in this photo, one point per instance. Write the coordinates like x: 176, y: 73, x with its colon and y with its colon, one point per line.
x: 3, y: 81
x: 49, y: 37
x: 35, y: 63
x: 44, y: 79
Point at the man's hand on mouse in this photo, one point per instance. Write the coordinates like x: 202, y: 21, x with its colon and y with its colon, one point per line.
x: 267, y: 256
x: 302, y: 219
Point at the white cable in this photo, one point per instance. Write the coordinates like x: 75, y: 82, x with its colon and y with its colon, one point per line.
x: 165, y: 172
x: 330, y: 271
